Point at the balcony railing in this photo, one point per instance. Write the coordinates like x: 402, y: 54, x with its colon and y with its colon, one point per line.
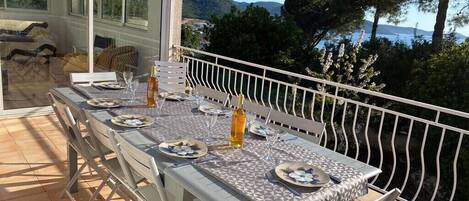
x: 418, y: 146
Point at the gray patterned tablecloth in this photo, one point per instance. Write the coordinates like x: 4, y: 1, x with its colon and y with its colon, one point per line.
x: 242, y: 169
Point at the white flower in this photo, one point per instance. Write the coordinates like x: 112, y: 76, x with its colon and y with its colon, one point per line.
x: 341, y: 50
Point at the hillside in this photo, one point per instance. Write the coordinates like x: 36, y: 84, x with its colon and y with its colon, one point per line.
x: 273, y: 7
x: 204, y: 9
x: 397, y: 30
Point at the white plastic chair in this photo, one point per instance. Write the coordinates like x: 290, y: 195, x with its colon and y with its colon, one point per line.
x: 213, y: 95
x: 305, y: 128
x: 390, y: 196
x: 136, y: 160
x: 79, y: 143
x: 100, y: 132
x: 171, y: 76
x: 90, y: 78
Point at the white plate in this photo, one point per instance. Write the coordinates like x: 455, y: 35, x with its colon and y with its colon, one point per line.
x: 260, y: 129
x: 302, y: 174
x: 132, y: 120
x: 184, y: 148
x: 213, y: 109
x: 104, y: 102
x: 109, y: 85
x: 176, y: 96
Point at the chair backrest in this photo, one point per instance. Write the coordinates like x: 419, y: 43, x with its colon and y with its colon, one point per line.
x: 171, y: 76
x: 69, y: 125
x: 259, y: 110
x: 390, y: 196
x: 103, y: 42
x: 141, y: 162
x: 99, y: 130
x: 90, y: 78
x: 305, y: 128
x: 213, y: 95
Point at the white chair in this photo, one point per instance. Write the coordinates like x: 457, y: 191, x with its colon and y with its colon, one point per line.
x: 100, y: 132
x: 259, y: 110
x: 90, y: 78
x: 135, y: 160
x: 390, y: 196
x: 171, y: 76
x: 79, y: 143
x: 213, y: 95
x: 305, y: 128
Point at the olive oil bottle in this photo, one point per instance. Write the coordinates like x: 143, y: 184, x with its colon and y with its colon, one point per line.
x: 238, y: 125
x: 152, y: 88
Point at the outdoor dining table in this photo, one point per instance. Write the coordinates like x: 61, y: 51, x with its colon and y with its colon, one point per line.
x: 225, y: 173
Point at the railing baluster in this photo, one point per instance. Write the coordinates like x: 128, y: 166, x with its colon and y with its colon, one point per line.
x: 422, y: 162
x: 285, y: 99
x: 332, y: 119
x: 455, y: 167
x: 276, y: 98
x: 270, y: 93
x: 196, y: 71
x: 223, y: 81
x: 407, y: 154
x: 229, y: 82
x: 343, y: 127
x: 380, y: 130
x: 218, y: 78
x: 393, y: 148
x: 262, y: 87
x: 235, y: 83
x: 213, y: 70
x: 303, y: 105
x: 247, y: 90
x: 437, y: 183
x: 312, y: 106
x: 322, y: 119
x: 206, y: 75
x: 366, y: 136
x: 294, y: 90
x: 357, y: 146
x: 255, y: 91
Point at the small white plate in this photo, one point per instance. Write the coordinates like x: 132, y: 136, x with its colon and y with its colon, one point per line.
x: 109, y: 85
x: 302, y: 174
x: 132, y: 121
x: 175, y: 96
x: 213, y: 109
x: 184, y: 148
x: 260, y: 129
x: 104, y: 102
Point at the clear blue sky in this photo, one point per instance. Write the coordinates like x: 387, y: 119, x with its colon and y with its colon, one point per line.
x: 425, y: 21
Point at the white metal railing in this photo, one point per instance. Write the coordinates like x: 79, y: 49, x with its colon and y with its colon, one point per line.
x: 417, y: 145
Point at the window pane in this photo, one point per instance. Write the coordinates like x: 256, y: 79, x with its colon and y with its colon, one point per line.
x: 112, y: 9
x: 77, y: 7
x: 28, y: 4
x: 137, y: 12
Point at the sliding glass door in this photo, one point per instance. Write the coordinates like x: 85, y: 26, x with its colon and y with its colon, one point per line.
x: 43, y: 41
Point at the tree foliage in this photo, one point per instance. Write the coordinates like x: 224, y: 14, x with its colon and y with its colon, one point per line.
x: 392, y: 9
x: 189, y: 37
x: 317, y: 18
x: 256, y: 36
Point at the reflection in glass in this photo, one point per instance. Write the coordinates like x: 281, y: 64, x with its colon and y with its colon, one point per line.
x: 112, y: 9
x: 137, y: 12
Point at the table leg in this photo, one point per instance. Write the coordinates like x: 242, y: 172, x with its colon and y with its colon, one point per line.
x: 72, y: 167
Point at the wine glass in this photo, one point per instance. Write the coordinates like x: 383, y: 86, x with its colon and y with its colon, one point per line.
x: 133, y: 88
x: 250, y: 117
x: 197, y: 97
x: 210, y: 121
x: 128, y: 76
x: 159, y: 104
x: 272, y: 136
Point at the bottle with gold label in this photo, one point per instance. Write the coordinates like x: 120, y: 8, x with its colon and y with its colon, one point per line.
x: 238, y: 124
x: 152, y: 87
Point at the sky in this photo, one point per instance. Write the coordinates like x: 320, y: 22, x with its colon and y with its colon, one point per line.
x: 425, y: 21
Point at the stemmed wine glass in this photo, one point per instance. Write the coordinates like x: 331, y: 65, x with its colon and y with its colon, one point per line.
x: 250, y: 117
x: 128, y: 76
x: 133, y: 88
x: 210, y: 121
x: 272, y: 136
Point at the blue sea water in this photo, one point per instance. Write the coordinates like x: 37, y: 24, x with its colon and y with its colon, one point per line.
x: 404, y: 38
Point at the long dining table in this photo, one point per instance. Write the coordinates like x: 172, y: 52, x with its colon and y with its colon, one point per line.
x: 225, y: 173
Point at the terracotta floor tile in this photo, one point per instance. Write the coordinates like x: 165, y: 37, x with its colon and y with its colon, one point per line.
x: 18, y: 186
x: 37, y: 197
